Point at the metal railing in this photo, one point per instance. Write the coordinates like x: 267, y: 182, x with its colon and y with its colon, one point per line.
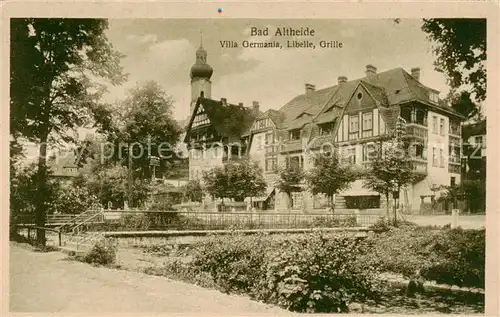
x: 99, y: 216
x: 137, y: 220
x: 34, y: 229
x: 416, y: 130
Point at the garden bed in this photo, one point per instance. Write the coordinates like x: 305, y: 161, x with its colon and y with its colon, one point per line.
x: 303, y: 274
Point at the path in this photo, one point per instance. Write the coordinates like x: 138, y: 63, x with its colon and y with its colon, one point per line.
x: 46, y: 282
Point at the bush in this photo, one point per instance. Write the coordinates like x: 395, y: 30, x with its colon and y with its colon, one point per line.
x: 103, y: 253
x: 449, y: 256
x: 318, y: 274
x: 151, y: 221
x: 312, y: 273
x: 458, y: 258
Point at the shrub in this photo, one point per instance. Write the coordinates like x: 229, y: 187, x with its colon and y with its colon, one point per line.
x: 318, y: 274
x: 103, y: 253
x: 234, y: 262
x: 312, y: 273
x: 458, y: 258
x: 449, y: 256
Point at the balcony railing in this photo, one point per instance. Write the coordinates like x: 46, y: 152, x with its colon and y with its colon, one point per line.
x: 454, y: 139
x: 234, y: 158
x: 419, y: 165
x: 416, y: 130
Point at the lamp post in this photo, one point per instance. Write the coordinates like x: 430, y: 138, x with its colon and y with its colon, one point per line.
x: 154, y: 161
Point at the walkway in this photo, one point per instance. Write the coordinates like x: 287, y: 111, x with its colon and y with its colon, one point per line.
x: 46, y: 282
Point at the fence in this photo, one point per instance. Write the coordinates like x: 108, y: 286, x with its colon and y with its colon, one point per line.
x: 31, y: 232
x: 188, y: 220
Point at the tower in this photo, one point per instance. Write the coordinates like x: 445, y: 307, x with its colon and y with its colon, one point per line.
x: 200, y: 76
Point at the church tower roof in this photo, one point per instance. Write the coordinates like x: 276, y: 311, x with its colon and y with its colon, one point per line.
x: 201, y: 69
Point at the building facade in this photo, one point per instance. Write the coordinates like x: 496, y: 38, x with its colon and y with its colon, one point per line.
x: 352, y: 115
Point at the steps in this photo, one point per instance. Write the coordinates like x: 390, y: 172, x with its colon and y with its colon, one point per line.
x: 340, y: 202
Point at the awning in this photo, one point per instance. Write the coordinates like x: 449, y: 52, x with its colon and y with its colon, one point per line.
x: 263, y: 198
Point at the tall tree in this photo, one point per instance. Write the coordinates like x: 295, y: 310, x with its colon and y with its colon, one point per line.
x: 329, y: 176
x: 460, y: 47
x: 147, y: 126
x: 54, y: 64
x: 193, y: 190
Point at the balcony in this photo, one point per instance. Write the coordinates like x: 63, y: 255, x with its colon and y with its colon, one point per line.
x: 419, y: 165
x: 414, y: 130
x: 454, y: 140
x: 234, y: 158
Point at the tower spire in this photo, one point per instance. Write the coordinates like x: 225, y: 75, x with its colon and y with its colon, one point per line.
x: 201, y: 38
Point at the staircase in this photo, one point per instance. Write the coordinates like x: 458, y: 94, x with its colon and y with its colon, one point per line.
x: 76, y: 239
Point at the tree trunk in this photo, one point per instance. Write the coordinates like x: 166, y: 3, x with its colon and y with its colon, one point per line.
x: 41, y: 189
x: 387, y: 207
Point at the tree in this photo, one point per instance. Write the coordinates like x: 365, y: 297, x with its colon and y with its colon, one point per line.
x: 147, y: 126
x: 390, y: 169
x: 110, y: 185
x: 463, y: 104
x: 460, y: 47
x: 236, y: 180
x: 329, y: 176
x: 194, y: 191
x: 53, y: 66
x: 289, y: 179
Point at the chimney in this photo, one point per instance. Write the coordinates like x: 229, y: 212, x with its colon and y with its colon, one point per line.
x: 255, y: 106
x: 370, y: 70
x: 341, y: 79
x: 240, y: 104
x: 310, y: 88
x: 224, y: 101
x: 202, y: 94
x: 415, y: 73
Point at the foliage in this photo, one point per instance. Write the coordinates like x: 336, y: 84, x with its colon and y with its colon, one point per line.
x: 329, y: 176
x: 194, y: 191
x: 460, y: 47
x: 52, y: 62
x: 147, y: 128
x: 474, y: 191
x: 109, y: 184
x: 102, y: 253
x: 449, y: 256
x: 390, y: 169
x: 463, y: 104
x: 23, y: 187
x: 289, y: 179
x: 312, y: 273
x: 459, y: 258
x: 74, y: 199
x: 236, y: 180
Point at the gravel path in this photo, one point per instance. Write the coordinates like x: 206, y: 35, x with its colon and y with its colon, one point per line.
x: 47, y: 282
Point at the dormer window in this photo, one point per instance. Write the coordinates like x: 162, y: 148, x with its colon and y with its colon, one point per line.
x: 433, y: 97
x: 326, y: 128
x: 295, y: 135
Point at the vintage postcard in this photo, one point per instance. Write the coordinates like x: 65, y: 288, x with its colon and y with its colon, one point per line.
x: 250, y: 159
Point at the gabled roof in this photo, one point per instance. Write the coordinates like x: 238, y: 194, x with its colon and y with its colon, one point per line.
x: 228, y: 120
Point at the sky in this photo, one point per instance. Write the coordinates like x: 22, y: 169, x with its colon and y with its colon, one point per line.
x: 163, y: 50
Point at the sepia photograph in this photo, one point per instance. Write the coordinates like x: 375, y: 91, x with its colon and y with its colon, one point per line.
x: 248, y: 166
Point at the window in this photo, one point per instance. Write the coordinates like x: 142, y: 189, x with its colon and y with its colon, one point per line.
x: 434, y: 157
x: 452, y: 181
x: 271, y: 163
x: 434, y: 124
x: 433, y: 97
x: 441, y: 158
x: 326, y: 128
x: 353, y: 123
x: 441, y: 126
x: 359, y: 95
x: 351, y: 155
x: 369, y: 151
x: 367, y: 121
x: 295, y: 162
x: 295, y: 134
